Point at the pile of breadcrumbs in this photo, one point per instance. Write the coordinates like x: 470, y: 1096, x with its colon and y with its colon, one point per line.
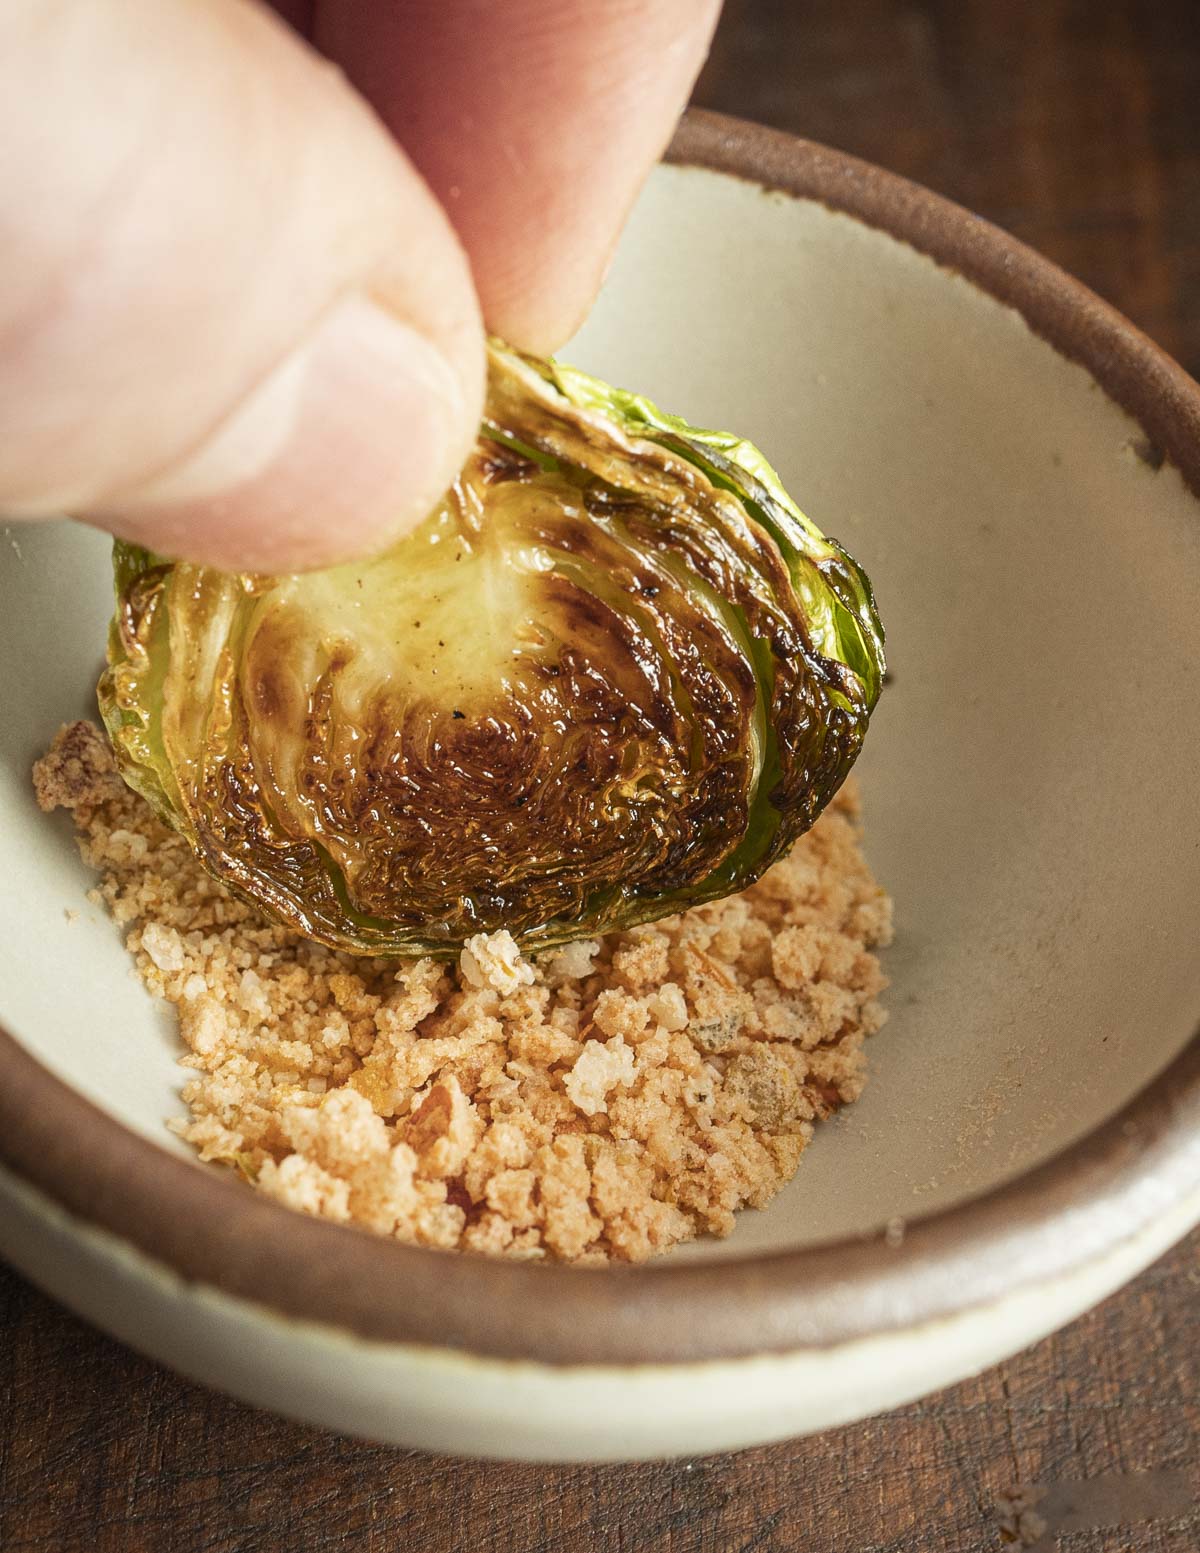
x: 606, y: 1100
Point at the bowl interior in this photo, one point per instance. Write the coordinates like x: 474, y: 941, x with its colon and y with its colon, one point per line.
x: 1029, y: 781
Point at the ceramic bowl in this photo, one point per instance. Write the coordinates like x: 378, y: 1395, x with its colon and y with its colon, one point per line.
x: 1018, y: 469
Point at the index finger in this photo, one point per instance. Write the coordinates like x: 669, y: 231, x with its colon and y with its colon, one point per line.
x: 534, y: 121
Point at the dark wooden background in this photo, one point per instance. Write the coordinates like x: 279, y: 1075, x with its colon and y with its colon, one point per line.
x: 1076, y: 124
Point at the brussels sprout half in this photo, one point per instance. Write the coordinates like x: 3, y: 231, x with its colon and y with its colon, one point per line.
x: 615, y: 673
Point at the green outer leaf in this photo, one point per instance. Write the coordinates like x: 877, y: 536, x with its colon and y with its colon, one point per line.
x: 844, y: 624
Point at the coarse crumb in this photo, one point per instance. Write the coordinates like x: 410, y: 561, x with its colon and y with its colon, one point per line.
x: 606, y: 1100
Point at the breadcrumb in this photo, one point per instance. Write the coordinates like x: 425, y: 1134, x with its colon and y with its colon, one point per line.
x: 606, y: 1100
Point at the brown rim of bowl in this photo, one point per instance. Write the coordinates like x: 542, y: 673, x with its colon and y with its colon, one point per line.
x: 1052, y: 1220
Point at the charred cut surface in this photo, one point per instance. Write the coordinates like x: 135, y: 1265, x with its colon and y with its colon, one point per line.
x: 603, y: 681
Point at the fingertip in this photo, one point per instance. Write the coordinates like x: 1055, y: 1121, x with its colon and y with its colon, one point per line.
x: 535, y: 122
x: 345, y: 446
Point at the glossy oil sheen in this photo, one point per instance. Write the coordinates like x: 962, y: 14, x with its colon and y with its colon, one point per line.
x: 615, y: 674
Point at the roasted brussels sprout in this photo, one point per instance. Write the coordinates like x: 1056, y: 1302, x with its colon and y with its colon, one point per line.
x: 615, y: 673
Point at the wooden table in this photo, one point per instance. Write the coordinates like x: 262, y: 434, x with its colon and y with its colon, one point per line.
x: 1077, y: 127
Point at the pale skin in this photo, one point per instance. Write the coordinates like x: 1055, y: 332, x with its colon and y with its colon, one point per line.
x: 246, y: 267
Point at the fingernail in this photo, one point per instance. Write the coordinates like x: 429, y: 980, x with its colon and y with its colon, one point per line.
x: 348, y: 444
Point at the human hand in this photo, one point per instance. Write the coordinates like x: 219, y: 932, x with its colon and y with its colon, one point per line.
x: 240, y: 324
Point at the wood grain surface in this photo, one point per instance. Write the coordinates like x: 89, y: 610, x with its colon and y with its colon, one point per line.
x: 1077, y: 126
x: 103, y: 1452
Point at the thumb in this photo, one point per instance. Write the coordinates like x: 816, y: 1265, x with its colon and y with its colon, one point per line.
x: 235, y: 325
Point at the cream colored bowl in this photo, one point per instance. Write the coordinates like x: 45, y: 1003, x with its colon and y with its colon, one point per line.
x: 1011, y: 461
